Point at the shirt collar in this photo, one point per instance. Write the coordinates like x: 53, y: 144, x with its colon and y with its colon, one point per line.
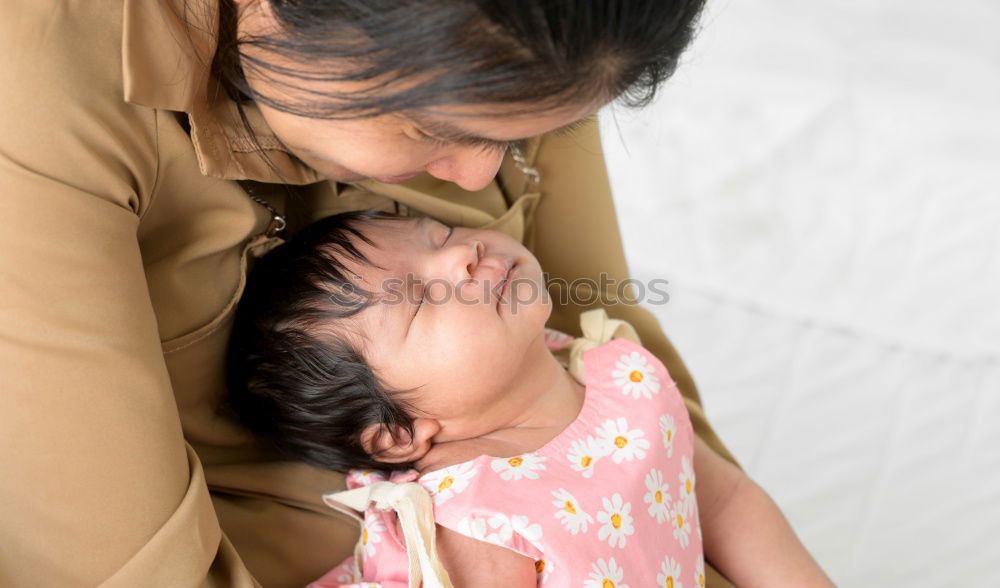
x: 167, y: 50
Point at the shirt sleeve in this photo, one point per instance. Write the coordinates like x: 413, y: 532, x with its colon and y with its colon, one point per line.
x: 98, y: 485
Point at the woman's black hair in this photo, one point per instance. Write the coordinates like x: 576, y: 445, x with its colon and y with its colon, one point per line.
x: 412, y: 55
x: 295, y: 378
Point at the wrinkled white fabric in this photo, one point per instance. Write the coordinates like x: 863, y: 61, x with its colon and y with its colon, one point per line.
x: 820, y: 183
x: 413, y: 505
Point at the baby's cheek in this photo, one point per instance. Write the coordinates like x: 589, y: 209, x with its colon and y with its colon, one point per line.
x: 440, y: 293
x: 473, y: 362
x: 473, y: 293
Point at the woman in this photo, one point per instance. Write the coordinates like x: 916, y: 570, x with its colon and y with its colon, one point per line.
x: 151, y: 149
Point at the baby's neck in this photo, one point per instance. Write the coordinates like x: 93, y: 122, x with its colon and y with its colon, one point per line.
x: 557, y: 401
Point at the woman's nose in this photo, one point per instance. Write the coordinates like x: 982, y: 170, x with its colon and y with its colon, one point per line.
x: 472, y: 168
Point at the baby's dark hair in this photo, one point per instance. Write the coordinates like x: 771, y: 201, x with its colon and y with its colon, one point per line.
x: 295, y: 376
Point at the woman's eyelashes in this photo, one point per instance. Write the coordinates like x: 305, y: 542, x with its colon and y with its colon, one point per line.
x: 570, y: 128
x: 482, y: 143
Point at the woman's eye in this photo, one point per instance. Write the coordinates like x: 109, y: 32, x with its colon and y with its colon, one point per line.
x: 430, y: 138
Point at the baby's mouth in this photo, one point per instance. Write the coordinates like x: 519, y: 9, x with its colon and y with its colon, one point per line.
x: 502, y: 286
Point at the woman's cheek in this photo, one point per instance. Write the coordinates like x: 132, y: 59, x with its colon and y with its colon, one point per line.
x: 371, y: 164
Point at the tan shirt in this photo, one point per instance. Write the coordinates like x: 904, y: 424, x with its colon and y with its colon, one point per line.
x: 126, y: 234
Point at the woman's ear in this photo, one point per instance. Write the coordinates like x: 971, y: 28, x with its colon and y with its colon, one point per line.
x: 394, y: 444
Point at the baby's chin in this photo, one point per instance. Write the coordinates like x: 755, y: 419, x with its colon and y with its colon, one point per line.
x: 532, y: 327
x: 529, y: 305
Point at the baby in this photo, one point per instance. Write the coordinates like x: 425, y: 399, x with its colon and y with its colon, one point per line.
x: 410, y: 352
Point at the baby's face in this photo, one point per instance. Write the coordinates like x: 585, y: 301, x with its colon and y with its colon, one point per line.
x: 459, y: 311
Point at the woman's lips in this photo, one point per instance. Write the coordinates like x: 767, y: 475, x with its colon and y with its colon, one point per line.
x: 399, y: 178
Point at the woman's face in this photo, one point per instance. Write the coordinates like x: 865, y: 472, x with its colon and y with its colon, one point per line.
x: 464, y: 145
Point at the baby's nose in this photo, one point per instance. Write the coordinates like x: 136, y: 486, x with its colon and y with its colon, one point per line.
x: 462, y: 259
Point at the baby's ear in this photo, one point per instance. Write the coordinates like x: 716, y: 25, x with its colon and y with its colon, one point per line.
x: 394, y: 444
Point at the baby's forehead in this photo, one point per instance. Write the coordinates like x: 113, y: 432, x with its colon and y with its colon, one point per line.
x: 393, y: 229
x: 390, y: 238
x: 384, y: 243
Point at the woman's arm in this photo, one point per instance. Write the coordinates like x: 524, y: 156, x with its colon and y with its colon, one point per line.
x: 97, y: 484
x: 745, y: 535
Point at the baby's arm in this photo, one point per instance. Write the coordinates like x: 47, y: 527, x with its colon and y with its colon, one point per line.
x: 745, y: 535
x: 471, y: 562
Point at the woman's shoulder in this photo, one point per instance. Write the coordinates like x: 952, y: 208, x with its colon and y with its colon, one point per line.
x: 50, y: 47
x: 63, y: 111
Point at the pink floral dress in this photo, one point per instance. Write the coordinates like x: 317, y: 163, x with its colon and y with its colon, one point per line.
x: 609, y: 502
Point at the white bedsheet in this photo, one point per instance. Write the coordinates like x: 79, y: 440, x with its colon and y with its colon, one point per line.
x: 820, y: 182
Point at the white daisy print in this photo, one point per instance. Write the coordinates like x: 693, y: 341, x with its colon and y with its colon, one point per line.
x: 475, y: 527
x: 657, y: 496
x: 696, y: 517
x: 667, y: 431
x: 686, y: 490
x: 605, y: 575
x: 583, y: 455
x: 670, y: 574
x: 569, y: 512
x: 496, y: 529
x: 371, y: 533
x: 624, y: 444
x: 617, y: 522
x: 521, y: 466
x: 532, y: 532
x: 543, y: 568
x: 636, y: 376
x: 680, y: 512
x: 699, y: 572
x: 365, y: 477
x: 447, y: 482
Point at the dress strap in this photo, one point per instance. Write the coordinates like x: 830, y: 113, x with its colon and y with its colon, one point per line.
x: 415, y: 509
x: 597, y: 329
